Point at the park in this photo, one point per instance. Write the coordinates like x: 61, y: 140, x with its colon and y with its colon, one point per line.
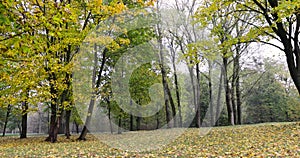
x: 149, y: 78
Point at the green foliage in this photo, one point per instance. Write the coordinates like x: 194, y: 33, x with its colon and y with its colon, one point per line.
x: 268, y: 99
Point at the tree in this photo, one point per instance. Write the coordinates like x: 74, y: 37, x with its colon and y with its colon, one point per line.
x: 272, y: 19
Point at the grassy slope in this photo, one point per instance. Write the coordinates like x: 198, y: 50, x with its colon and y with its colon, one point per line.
x: 278, y: 139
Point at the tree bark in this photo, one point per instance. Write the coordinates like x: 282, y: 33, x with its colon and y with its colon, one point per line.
x: 238, y: 93
x: 227, y: 93
x: 131, y: 118
x: 6, y: 119
x: 177, y: 90
x: 24, y: 120
x: 68, y: 116
x: 95, y: 85
x: 218, y: 108
x: 138, y: 123
x: 232, y: 90
x: 119, y: 125
x: 211, y: 107
x: 198, y: 104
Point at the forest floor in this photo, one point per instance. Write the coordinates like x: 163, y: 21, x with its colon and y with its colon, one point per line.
x: 261, y: 140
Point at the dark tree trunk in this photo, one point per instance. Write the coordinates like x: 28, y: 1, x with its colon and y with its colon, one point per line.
x: 227, y: 93
x: 6, y: 119
x: 95, y: 85
x: 173, y: 108
x: 68, y: 116
x: 131, y: 123
x: 109, y: 117
x: 138, y: 123
x: 62, y: 126
x: 24, y: 120
x: 54, y: 118
x: 198, y: 105
x: 131, y: 119
x: 54, y: 122
x: 157, y: 120
x: 120, y: 125
x: 178, y: 100
x: 289, y: 37
x: 77, y: 127
x: 88, y: 119
x: 233, y: 100
x: 173, y: 56
x: 165, y: 85
x: 211, y: 107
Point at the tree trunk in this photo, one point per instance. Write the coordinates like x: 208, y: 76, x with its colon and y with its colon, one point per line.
x: 131, y: 122
x: 54, y: 122
x: 238, y: 95
x: 95, y: 85
x: 178, y: 99
x: 232, y: 90
x: 218, y: 108
x: 119, y: 125
x: 109, y: 117
x: 138, y: 123
x: 157, y: 120
x: 173, y: 108
x: 173, y: 56
x: 77, y: 127
x: 164, y: 80
x: 24, y: 120
x: 211, y: 107
x: 131, y: 118
x: 227, y: 93
x: 62, y: 126
x: 68, y: 116
x: 193, y: 89
x: 198, y: 105
x: 6, y: 119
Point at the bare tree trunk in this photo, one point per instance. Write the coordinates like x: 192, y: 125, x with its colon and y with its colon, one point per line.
x: 239, y: 102
x: 172, y: 105
x: 173, y: 56
x: 218, y: 108
x: 62, y: 126
x: 138, y: 123
x: 193, y: 89
x: 95, y: 86
x: 211, y: 107
x: 131, y: 118
x: 233, y: 103
x: 157, y: 120
x: 24, y: 120
x: 53, y: 122
x: 6, y: 119
x: 77, y: 127
x: 164, y: 75
x: 198, y: 105
x: 119, y: 125
x: 109, y: 119
x: 68, y: 116
x: 227, y: 93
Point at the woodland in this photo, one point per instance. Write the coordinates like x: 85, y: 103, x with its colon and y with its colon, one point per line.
x: 149, y: 78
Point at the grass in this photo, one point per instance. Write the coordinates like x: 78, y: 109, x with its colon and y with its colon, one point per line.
x: 262, y: 140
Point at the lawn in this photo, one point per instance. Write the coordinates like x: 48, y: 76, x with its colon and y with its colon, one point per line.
x: 263, y: 140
